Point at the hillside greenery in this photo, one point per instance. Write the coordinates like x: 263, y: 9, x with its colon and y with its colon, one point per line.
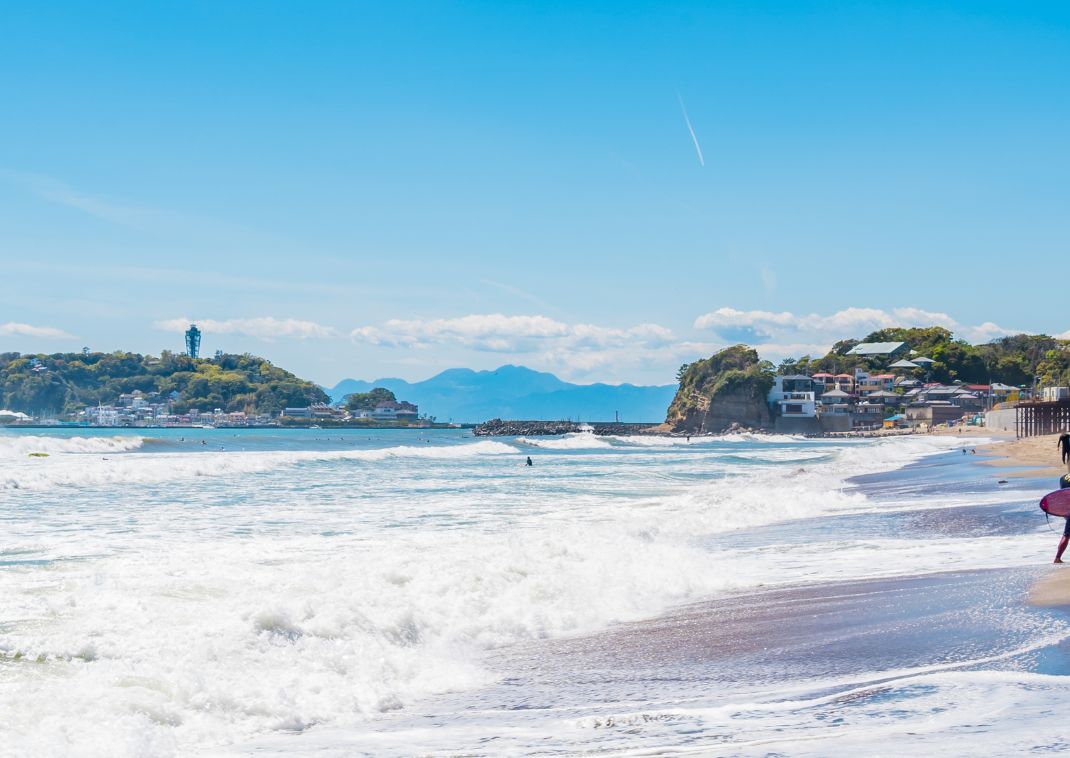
x: 367, y: 401
x: 727, y: 371
x: 734, y: 376
x: 67, y: 382
x: 1015, y: 360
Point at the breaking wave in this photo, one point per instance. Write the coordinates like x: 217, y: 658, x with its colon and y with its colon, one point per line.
x: 45, y: 473
x: 21, y: 446
x: 575, y: 441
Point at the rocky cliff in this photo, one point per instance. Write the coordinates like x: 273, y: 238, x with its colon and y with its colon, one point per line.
x: 725, y: 391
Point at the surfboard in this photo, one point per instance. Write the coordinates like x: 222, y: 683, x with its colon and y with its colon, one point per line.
x: 1056, y: 503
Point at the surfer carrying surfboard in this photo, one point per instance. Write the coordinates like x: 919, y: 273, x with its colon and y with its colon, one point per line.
x: 1058, y: 504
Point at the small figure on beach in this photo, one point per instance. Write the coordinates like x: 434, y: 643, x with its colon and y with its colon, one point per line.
x: 1064, y: 447
x: 529, y: 461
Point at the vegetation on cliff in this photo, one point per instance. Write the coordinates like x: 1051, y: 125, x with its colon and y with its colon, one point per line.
x: 727, y: 388
x: 368, y: 401
x: 67, y: 382
x: 1011, y: 360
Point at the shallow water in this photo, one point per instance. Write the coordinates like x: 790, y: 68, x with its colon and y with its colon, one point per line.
x: 398, y: 591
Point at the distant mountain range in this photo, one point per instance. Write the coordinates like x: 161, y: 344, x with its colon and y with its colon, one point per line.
x: 516, y: 392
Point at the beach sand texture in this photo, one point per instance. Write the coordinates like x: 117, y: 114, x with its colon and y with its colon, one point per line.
x: 1036, y: 456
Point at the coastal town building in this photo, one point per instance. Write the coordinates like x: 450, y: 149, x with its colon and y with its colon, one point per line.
x: 389, y: 411
x: 889, y: 398
x: 794, y: 396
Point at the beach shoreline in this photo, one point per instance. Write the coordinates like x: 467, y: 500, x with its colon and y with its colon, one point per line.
x: 1034, y: 458
x: 1031, y: 457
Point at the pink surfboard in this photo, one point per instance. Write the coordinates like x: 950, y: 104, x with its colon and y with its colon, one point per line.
x: 1056, y: 503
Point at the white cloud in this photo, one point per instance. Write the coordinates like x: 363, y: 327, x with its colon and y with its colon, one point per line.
x: 495, y: 332
x: 572, y: 350
x: 14, y: 329
x: 263, y: 327
x: 787, y: 327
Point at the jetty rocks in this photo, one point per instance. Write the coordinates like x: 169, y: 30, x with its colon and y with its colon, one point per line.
x: 499, y: 428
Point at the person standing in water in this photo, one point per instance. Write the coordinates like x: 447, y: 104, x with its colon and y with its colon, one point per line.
x: 1064, y: 447
x: 1063, y: 541
x: 1064, y: 482
x: 529, y: 461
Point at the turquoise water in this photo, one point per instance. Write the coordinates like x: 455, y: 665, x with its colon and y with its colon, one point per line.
x: 297, y: 589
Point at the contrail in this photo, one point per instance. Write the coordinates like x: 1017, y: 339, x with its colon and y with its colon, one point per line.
x: 698, y: 148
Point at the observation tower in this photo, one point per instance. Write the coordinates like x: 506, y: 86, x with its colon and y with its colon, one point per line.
x: 193, y: 341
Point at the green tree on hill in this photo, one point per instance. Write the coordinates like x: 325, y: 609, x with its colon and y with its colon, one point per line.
x: 366, y: 401
x: 1014, y: 360
x: 67, y: 382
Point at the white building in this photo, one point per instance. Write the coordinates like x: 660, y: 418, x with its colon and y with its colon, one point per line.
x: 794, y: 396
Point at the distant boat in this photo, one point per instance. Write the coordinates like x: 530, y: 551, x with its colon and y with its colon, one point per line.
x: 315, y: 426
x: 203, y: 426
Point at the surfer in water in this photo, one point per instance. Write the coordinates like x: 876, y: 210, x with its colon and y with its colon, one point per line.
x: 1064, y: 447
x: 529, y: 463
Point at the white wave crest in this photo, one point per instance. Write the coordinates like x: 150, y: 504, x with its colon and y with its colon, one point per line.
x: 151, y: 468
x: 637, y: 440
x: 576, y: 441
x: 22, y: 445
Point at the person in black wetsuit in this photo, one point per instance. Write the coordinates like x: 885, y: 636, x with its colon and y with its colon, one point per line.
x: 1064, y: 447
x: 530, y: 463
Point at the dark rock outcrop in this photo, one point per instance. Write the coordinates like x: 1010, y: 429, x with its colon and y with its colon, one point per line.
x: 727, y: 391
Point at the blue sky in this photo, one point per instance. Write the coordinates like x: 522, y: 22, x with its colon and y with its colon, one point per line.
x: 358, y: 189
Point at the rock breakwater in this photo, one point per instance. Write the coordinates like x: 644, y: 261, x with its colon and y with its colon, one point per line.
x: 499, y: 428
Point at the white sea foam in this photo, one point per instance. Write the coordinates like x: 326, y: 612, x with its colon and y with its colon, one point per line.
x: 750, y: 438
x: 185, y: 619
x: 19, y: 446
x: 575, y: 441
x: 152, y: 468
x: 644, y: 440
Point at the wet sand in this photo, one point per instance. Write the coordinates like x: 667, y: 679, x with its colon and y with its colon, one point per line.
x: 1052, y: 591
x: 1035, y: 456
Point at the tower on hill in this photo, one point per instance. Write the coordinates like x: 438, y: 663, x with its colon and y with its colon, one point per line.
x: 193, y: 341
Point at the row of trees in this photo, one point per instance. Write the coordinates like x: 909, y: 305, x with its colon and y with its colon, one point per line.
x: 67, y: 382
x: 1016, y: 360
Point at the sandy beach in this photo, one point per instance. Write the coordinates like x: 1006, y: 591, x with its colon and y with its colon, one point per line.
x: 1035, y: 456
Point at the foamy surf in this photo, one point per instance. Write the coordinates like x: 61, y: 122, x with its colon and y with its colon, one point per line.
x: 574, y: 441
x: 190, y: 600
x: 155, y: 468
x: 18, y: 446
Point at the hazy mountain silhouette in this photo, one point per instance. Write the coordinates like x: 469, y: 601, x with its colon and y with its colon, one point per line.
x: 516, y: 392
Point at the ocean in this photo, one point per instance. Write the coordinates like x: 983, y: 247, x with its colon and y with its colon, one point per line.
x: 400, y: 592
